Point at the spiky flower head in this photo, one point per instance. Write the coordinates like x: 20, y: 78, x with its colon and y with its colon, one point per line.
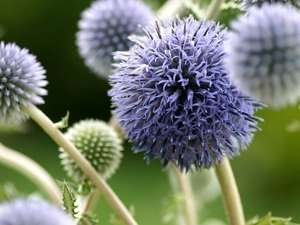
x: 247, y: 4
x: 264, y: 54
x: 22, y: 80
x: 105, y: 27
x: 173, y: 98
x: 32, y: 212
x: 100, y: 145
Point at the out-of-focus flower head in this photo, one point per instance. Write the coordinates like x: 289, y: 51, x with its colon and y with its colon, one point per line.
x: 32, y: 212
x: 22, y: 80
x: 105, y: 27
x: 264, y: 54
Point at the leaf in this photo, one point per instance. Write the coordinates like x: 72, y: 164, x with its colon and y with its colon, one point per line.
x: 269, y: 220
x: 63, y: 123
x: 194, y: 8
x: 173, y: 209
x: 227, y: 5
x: 230, y: 11
x: 71, y: 185
x: 84, y: 188
x: 199, y: 11
x: 69, y: 200
x: 88, y: 219
x: 293, y: 126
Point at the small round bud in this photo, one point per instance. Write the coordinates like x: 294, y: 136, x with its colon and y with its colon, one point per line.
x: 100, y: 145
x: 21, y: 82
x: 32, y: 212
x: 105, y: 27
x: 264, y: 54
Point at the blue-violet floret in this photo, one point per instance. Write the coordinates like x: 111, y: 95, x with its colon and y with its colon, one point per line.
x: 32, y: 212
x: 173, y: 97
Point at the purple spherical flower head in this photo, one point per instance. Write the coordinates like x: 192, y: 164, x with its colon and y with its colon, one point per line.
x: 174, y: 100
x: 247, y: 4
x: 105, y: 27
x: 264, y: 54
x: 21, y: 82
x: 32, y: 212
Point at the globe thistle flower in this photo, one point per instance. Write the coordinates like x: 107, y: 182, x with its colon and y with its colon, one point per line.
x: 264, y: 52
x: 105, y: 27
x: 174, y: 100
x: 21, y: 82
x: 247, y: 4
x: 32, y: 212
x: 100, y: 145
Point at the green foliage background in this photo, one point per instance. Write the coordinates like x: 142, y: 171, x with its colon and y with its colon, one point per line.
x: 268, y: 173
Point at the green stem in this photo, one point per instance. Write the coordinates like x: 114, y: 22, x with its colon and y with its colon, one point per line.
x: 92, y: 200
x: 89, y: 202
x: 185, y: 187
x: 44, y: 122
x: 113, y: 123
x: 170, y: 9
x: 213, y: 9
x: 33, y: 171
x: 230, y: 193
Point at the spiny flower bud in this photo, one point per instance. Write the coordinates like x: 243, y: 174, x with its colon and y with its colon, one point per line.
x: 105, y: 27
x: 32, y: 212
x: 247, y: 4
x: 264, y: 54
x: 173, y: 97
x: 100, y: 145
x: 21, y: 82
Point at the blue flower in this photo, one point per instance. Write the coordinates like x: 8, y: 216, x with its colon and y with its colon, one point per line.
x: 31, y: 212
x: 247, y: 4
x: 105, y: 27
x: 264, y: 54
x: 21, y: 82
x: 174, y: 100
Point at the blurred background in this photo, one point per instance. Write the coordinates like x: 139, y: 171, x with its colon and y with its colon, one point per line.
x: 267, y: 173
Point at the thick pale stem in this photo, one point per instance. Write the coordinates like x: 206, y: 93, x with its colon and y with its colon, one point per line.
x: 33, y: 171
x: 170, y: 9
x: 185, y: 188
x: 94, y: 196
x: 214, y: 9
x: 48, y: 126
x: 230, y: 193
